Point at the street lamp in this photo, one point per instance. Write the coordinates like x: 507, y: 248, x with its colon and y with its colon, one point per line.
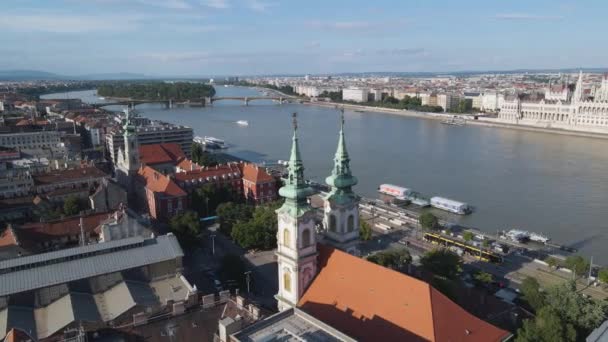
x: 248, y: 279
x: 213, y: 243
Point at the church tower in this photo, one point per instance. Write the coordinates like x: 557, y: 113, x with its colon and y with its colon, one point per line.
x: 341, y: 212
x: 296, y: 237
x: 128, y: 158
x: 578, y: 90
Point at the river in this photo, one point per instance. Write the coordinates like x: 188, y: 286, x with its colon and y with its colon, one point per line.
x: 548, y: 183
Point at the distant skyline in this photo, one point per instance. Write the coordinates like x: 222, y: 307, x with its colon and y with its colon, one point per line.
x: 194, y: 38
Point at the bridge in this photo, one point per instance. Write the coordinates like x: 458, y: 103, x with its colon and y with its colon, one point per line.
x: 246, y: 99
x: 206, y: 101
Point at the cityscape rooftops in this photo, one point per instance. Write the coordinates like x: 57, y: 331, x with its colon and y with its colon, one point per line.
x: 57, y: 176
x: 63, y: 266
x: 157, y: 182
x: 161, y: 153
x: 373, y: 303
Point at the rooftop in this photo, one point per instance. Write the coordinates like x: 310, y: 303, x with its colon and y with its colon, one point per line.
x: 57, y: 176
x: 157, y: 182
x: 161, y: 153
x: 63, y: 266
x: 291, y: 325
x: 371, y: 303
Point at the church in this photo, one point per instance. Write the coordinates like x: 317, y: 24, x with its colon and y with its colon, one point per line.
x: 328, y: 294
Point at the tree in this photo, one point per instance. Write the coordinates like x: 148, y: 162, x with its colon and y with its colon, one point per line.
x: 552, y: 262
x: 229, y: 213
x: 483, y: 278
x: 546, y: 327
x: 197, y: 152
x: 603, y: 275
x: 208, y: 197
x: 365, y: 230
x: 583, y: 313
x: 485, y: 243
x: 395, y: 259
x: 71, y: 206
x: 260, y: 231
x: 186, y: 226
x: 467, y: 236
x: 428, y: 221
x: 577, y: 264
x: 232, y: 269
x: 531, y: 293
x: 442, y: 262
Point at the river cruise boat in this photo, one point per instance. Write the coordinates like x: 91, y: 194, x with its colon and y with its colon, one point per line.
x: 452, y: 206
x: 243, y: 123
x: 454, y: 121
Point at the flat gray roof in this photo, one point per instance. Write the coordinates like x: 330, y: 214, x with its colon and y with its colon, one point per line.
x: 48, y: 269
x: 291, y: 325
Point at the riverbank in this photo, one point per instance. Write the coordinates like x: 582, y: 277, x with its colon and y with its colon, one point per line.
x: 470, y: 120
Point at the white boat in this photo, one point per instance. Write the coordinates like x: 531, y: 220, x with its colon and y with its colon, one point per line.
x: 517, y: 235
x: 539, y: 238
x: 199, y: 140
x: 243, y: 122
x: 450, y: 205
x: 102, y: 98
x: 212, y: 142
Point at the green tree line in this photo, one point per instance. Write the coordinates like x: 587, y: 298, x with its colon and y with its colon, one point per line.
x: 179, y: 91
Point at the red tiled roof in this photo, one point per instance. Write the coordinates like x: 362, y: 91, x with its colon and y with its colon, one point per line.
x: 157, y: 182
x: 188, y: 165
x: 214, y: 171
x: 8, y: 238
x: 372, y: 303
x: 255, y: 174
x: 161, y: 153
x: 68, y: 174
x: 69, y: 226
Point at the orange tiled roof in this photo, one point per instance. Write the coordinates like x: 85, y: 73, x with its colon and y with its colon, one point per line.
x: 213, y: 171
x: 157, y: 182
x: 161, y: 153
x: 188, y: 165
x: 56, y: 176
x: 69, y: 226
x: 372, y: 303
x: 8, y: 238
x: 255, y: 174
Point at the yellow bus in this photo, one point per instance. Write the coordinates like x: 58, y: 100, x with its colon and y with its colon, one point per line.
x: 481, y: 254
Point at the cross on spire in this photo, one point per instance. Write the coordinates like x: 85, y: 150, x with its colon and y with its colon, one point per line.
x: 295, y: 121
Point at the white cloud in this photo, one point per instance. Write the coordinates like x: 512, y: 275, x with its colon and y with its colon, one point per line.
x: 172, y: 4
x: 219, y: 4
x: 526, y: 16
x: 340, y: 25
x: 259, y: 5
x: 60, y: 23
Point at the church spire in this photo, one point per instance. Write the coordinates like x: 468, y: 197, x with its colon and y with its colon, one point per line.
x: 341, y: 179
x: 295, y: 191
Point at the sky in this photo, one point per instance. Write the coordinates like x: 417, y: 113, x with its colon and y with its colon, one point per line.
x: 260, y: 37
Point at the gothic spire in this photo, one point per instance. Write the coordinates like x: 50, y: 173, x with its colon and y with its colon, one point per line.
x: 295, y: 190
x: 341, y: 179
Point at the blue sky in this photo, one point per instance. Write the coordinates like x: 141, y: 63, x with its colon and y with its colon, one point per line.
x: 250, y: 37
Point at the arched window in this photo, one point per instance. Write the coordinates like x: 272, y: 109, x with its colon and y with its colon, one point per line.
x: 306, y: 238
x: 287, y: 281
x: 332, y: 223
x: 351, y: 223
x: 286, y: 238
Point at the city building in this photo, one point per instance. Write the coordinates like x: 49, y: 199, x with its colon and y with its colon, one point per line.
x: 92, y: 287
x: 491, y: 101
x: 258, y: 186
x: 162, y: 197
x: 341, y: 209
x: 86, y: 177
x: 580, y: 113
x: 30, y: 139
x: 355, y: 94
x: 155, y: 132
x: 162, y: 157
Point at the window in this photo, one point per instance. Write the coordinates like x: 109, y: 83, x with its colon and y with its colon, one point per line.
x: 332, y: 223
x: 351, y: 223
x: 306, y: 238
x: 286, y: 237
x: 287, y: 281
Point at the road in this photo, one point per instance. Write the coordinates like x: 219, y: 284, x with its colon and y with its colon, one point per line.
x: 517, y: 265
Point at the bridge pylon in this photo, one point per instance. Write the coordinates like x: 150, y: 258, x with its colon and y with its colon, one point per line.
x: 246, y: 101
x: 208, y: 101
